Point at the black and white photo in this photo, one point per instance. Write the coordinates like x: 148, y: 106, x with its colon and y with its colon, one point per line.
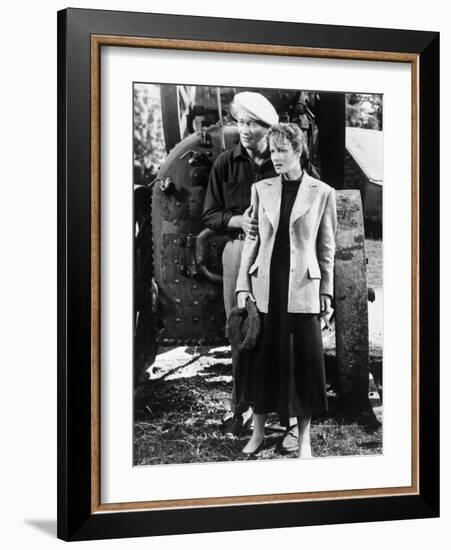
x: 257, y: 273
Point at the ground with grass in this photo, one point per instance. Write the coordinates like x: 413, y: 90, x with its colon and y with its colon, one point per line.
x: 373, y: 251
x: 179, y: 413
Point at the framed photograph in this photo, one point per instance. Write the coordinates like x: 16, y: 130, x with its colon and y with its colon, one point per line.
x: 248, y: 274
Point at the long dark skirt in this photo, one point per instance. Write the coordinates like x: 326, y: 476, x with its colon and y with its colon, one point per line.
x: 285, y: 372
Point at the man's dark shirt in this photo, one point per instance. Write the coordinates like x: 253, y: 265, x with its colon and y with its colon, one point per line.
x: 229, y: 187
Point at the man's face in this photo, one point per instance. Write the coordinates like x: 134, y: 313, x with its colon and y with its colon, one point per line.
x: 252, y: 133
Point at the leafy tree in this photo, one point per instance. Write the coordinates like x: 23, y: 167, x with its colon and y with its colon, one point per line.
x: 364, y: 111
x: 149, y: 150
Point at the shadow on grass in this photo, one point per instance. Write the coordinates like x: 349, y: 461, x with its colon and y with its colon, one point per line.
x: 179, y: 421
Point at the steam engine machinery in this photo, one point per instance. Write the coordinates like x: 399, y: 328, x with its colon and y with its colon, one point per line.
x: 178, y: 280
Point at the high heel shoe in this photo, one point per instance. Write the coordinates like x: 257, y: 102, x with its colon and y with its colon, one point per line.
x: 251, y: 454
x: 306, y: 454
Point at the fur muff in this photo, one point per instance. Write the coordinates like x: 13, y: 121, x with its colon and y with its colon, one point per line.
x: 243, y: 326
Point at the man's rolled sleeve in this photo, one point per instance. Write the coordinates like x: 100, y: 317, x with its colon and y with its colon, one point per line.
x: 214, y: 214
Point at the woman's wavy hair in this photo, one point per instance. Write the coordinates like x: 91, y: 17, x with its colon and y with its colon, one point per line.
x: 291, y: 132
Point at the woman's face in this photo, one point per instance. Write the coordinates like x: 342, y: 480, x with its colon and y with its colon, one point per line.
x: 283, y: 156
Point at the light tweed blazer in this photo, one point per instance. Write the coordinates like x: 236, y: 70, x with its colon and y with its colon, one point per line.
x: 313, y: 224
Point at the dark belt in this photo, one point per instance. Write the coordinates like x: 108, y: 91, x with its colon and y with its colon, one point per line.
x: 237, y: 235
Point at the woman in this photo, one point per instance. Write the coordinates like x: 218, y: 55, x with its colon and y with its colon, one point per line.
x: 288, y: 271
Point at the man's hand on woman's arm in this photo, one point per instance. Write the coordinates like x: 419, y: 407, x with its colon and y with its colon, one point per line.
x: 246, y: 222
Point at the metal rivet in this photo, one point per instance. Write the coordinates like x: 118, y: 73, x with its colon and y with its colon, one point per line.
x: 177, y: 300
x: 196, y: 303
x: 178, y: 320
x: 176, y: 281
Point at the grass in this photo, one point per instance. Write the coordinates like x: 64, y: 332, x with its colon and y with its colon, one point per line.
x: 179, y: 421
x: 373, y: 249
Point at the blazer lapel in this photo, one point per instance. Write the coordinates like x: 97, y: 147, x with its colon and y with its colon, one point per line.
x: 271, y: 194
x: 305, y: 197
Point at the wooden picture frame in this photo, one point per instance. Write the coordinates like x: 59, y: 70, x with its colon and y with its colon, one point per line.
x: 81, y: 35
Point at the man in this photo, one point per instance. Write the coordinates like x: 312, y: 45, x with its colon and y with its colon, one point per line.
x: 227, y: 210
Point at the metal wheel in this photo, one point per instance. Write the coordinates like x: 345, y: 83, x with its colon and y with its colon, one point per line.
x: 351, y: 304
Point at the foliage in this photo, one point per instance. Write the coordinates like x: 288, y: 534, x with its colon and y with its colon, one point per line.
x: 364, y: 111
x: 148, y: 139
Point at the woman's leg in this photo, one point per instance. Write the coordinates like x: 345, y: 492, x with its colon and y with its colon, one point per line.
x: 305, y: 449
x: 258, y: 434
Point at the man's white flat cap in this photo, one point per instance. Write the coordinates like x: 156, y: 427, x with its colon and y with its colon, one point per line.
x: 254, y: 105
